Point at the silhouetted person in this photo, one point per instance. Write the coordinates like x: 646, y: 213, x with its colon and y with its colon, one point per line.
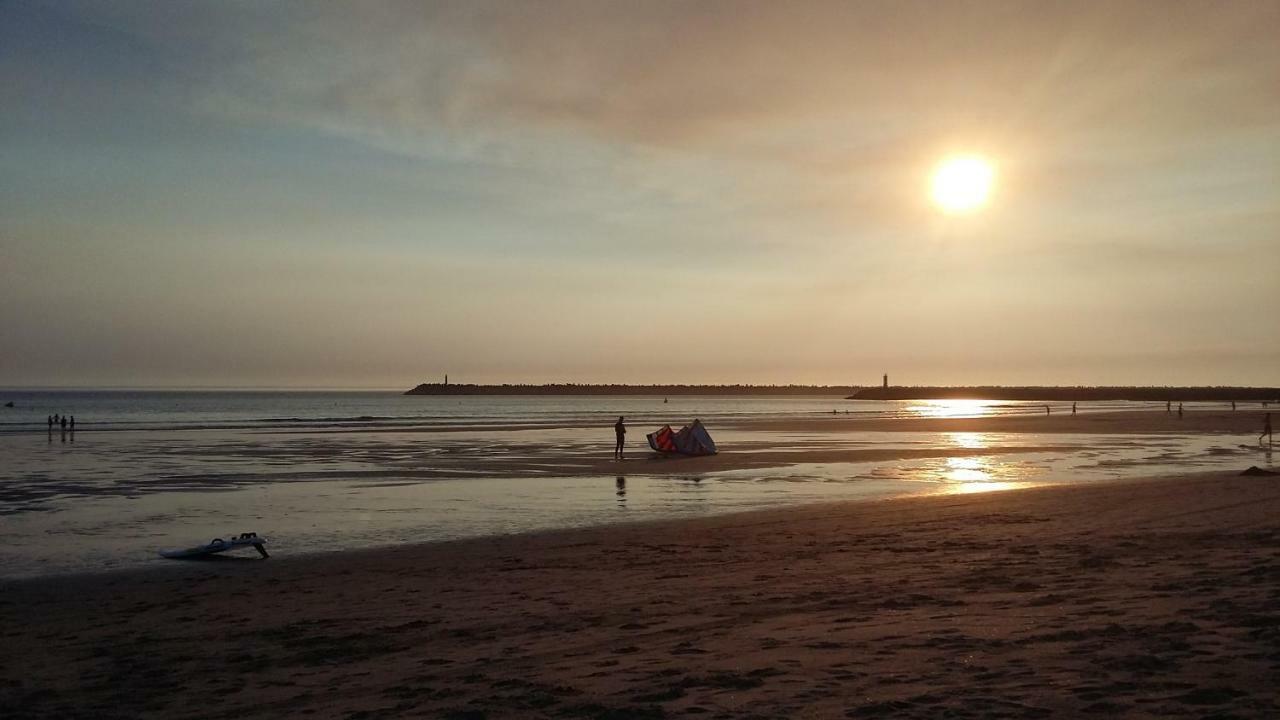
x: 1046, y: 409
x: 64, y: 423
x: 56, y: 418
x: 1073, y: 408
x: 1266, y: 429
x: 620, y: 433
x: 1179, y: 411
x: 1168, y: 406
x: 1233, y: 406
x: 73, y: 423
x: 50, y: 423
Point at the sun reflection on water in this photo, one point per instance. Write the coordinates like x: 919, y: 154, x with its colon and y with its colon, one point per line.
x: 967, y: 475
x: 967, y: 469
x: 952, y: 408
x: 970, y: 440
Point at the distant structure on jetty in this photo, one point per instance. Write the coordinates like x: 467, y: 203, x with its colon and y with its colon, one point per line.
x: 447, y: 388
x: 883, y: 392
x: 995, y: 392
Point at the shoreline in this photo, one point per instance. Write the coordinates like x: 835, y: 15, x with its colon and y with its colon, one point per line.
x: 656, y: 525
x: 1148, y: 598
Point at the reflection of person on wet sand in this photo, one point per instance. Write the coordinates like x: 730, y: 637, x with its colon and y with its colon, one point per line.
x: 621, y: 484
x: 620, y: 432
x: 1266, y: 430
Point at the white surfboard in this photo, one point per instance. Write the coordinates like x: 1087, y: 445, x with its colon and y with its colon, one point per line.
x: 218, y: 545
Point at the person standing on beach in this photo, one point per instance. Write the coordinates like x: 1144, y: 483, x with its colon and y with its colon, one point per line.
x: 50, y: 423
x: 1266, y: 430
x: 73, y: 423
x: 1179, y: 411
x: 1046, y: 409
x: 1233, y: 406
x: 1168, y: 406
x: 1073, y: 408
x: 620, y: 433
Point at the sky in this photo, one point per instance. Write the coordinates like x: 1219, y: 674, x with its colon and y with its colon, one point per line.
x: 373, y: 194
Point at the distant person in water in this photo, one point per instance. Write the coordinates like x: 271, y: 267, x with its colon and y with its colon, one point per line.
x: 1046, y: 409
x: 73, y: 423
x: 64, y: 423
x: 1266, y: 429
x: 1073, y: 408
x: 1168, y: 406
x: 50, y: 423
x: 620, y: 433
x: 1233, y: 405
x: 1179, y: 410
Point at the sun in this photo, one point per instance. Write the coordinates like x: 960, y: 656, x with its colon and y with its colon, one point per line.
x: 962, y: 183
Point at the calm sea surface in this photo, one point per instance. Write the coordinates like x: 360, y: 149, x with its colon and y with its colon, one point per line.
x: 146, y: 410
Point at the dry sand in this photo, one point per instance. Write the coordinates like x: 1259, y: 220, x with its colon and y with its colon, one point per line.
x: 1158, y: 598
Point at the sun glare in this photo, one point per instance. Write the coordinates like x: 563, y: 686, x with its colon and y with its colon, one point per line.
x: 962, y: 184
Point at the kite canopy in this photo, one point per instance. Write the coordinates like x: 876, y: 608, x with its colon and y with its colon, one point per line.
x: 692, y: 439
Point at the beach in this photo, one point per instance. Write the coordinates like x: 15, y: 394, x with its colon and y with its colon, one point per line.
x: 1138, y: 598
x: 330, y: 472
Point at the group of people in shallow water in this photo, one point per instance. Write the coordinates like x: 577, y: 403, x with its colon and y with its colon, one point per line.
x: 63, y: 421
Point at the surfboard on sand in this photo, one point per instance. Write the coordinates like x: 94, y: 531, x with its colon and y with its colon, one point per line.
x: 218, y: 545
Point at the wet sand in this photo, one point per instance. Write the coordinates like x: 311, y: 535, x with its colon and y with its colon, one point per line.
x: 1153, y: 598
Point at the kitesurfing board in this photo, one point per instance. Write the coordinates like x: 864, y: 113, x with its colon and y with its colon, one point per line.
x: 218, y: 545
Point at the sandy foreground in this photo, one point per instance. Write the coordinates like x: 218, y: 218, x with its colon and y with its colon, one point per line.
x: 1156, y: 598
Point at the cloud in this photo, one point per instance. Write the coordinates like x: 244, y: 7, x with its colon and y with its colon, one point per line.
x: 721, y: 76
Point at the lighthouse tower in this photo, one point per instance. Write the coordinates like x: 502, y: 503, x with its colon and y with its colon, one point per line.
x: 886, y: 381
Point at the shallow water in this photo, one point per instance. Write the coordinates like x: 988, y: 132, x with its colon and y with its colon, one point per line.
x: 106, y: 500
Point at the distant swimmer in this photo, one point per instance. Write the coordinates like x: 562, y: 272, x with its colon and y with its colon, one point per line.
x: 620, y: 433
x: 1266, y: 430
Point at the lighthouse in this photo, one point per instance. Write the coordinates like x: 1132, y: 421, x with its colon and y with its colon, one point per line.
x: 886, y: 381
